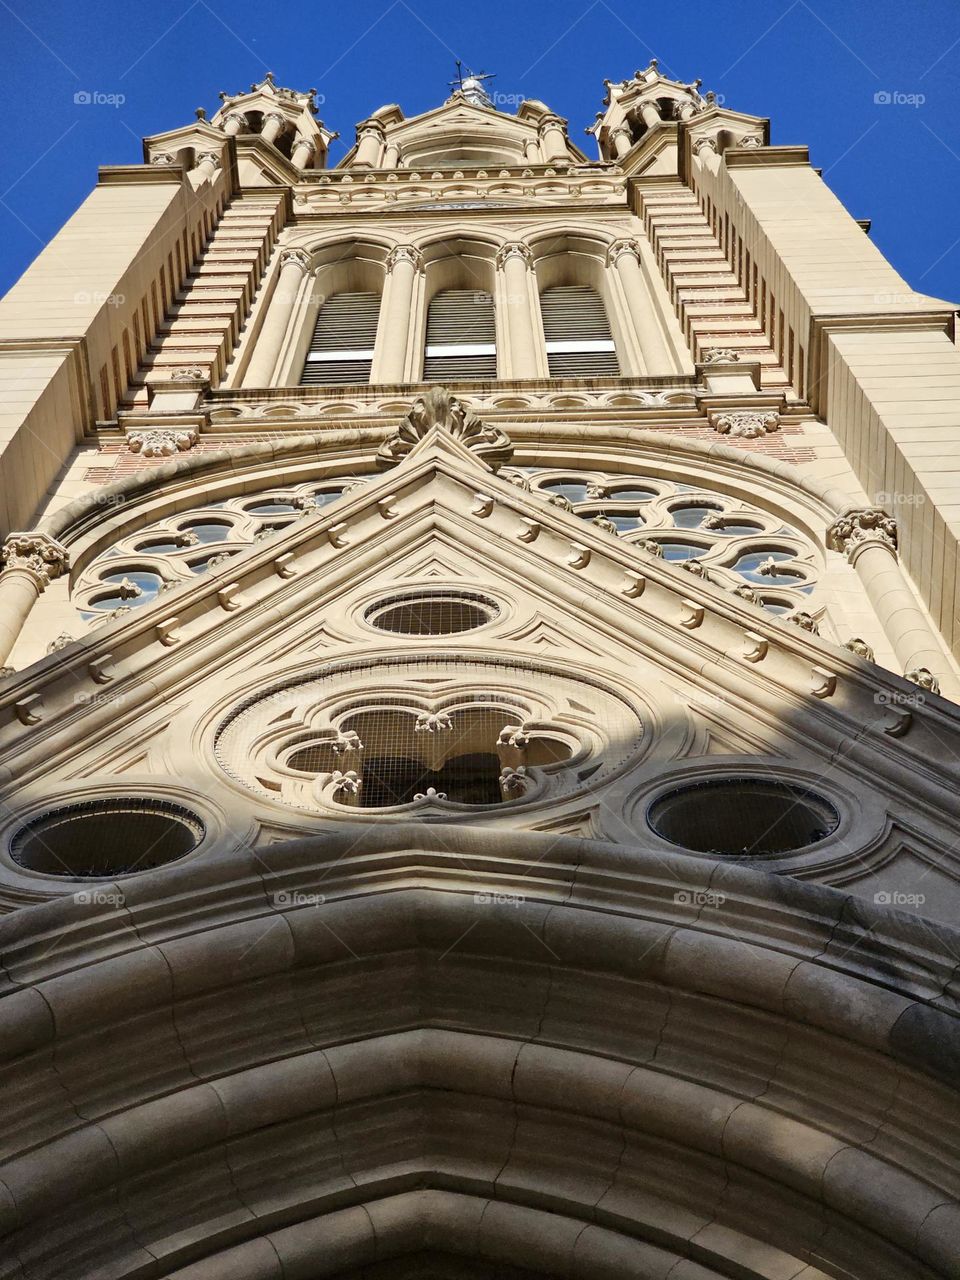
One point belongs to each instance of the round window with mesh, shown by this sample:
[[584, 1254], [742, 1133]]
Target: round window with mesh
[[96, 839], [431, 612], [743, 817]]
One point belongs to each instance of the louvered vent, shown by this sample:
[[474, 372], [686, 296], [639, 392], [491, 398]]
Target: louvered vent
[[577, 333], [461, 336], [341, 349]]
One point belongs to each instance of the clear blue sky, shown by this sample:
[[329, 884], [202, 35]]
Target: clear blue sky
[[813, 67]]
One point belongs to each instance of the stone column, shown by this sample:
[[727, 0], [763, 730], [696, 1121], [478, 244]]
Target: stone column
[[622, 141], [531, 152], [553, 140], [233, 124], [391, 157], [625, 256], [370, 139], [404, 264], [294, 264], [273, 126], [30, 563], [208, 163], [868, 539], [514, 261], [705, 149], [303, 153], [650, 114]]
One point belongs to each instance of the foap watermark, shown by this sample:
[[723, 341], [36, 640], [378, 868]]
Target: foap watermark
[[499, 899], [897, 898], [893, 698], [507, 99], [294, 898], [84, 297], [99, 898], [97, 98], [699, 898], [885, 499], [897, 98]]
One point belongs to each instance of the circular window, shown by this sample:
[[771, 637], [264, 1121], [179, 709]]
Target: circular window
[[95, 839], [743, 817], [431, 613]]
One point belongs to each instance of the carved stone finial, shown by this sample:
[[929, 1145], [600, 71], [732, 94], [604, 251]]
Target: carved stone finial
[[36, 554], [747, 423], [746, 592], [404, 253], [438, 408], [856, 529], [162, 444], [860, 648], [696, 567], [805, 621], [605, 524], [7, 672], [924, 678], [61, 642], [513, 782], [651, 546], [346, 783], [515, 248]]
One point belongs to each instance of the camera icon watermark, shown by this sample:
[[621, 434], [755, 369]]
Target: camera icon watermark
[[885, 499], [294, 898], [84, 297], [699, 898], [896, 98], [897, 898], [97, 98], [499, 899], [893, 698], [99, 898]]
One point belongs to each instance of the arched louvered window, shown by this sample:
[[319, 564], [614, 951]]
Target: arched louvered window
[[577, 332], [341, 349], [461, 336]]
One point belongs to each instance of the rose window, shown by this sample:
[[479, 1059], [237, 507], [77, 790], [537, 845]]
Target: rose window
[[735, 543], [162, 555]]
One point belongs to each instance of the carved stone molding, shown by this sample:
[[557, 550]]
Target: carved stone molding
[[620, 247], [405, 253], [299, 258], [438, 408], [746, 423], [36, 554], [515, 249], [856, 529], [190, 373], [162, 444]]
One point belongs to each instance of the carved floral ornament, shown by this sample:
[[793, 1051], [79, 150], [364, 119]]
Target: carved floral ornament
[[37, 554], [746, 423], [438, 408], [161, 444], [856, 529]]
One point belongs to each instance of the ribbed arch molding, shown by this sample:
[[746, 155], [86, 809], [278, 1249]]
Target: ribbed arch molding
[[238, 1052]]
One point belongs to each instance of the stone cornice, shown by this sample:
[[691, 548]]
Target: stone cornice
[[127, 175], [755, 157]]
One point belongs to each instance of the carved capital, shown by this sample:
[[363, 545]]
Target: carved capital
[[236, 118], [857, 529], [752, 142], [438, 408], [210, 157], [405, 253], [516, 249], [748, 423], [277, 117], [163, 157], [704, 144], [619, 248], [162, 444], [37, 554], [297, 257]]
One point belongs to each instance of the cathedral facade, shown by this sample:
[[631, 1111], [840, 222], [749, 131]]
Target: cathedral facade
[[479, 742]]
